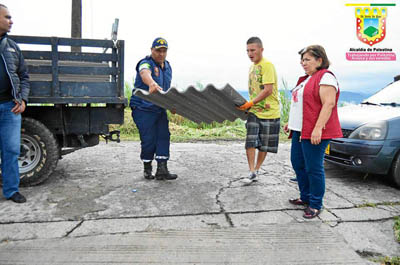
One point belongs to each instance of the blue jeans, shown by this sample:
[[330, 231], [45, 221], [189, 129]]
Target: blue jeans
[[308, 163], [10, 138], [154, 134]]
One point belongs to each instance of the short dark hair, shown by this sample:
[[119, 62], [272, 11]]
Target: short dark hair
[[316, 51], [256, 40]]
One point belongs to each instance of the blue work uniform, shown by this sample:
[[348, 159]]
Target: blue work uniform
[[150, 119]]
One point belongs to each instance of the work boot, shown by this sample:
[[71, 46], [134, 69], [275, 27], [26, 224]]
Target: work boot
[[163, 173], [147, 170], [17, 197]]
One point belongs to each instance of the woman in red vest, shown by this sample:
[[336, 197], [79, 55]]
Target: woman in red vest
[[313, 121]]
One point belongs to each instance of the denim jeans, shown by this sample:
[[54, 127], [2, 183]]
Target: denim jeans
[[154, 134], [10, 138], [308, 163]]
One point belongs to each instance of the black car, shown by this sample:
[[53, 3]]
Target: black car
[[371, 135]]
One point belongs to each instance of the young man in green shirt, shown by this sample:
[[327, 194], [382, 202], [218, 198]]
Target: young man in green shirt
[[263, 123]]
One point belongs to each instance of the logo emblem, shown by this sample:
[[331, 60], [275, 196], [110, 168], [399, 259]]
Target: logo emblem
[[371, 24], [371, 28], [156, 71], [162, 41]]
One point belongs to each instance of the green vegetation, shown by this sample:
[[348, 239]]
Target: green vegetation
[[368, 204], [183, 130], [390, 203], [371, 204], [396, 228], [387, 260], [285, 104]]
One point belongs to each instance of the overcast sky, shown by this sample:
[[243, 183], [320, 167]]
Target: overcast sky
[[207, 38]]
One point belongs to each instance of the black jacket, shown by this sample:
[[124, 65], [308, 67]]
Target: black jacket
[[16, 69]]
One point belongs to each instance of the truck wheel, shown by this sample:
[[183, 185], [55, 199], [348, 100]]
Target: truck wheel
[[395, 171], [39, 152]]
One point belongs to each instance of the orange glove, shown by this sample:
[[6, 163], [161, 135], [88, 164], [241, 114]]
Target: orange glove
[[247, 105]]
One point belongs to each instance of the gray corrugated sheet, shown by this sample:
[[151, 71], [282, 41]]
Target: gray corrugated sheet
[[205, 105]]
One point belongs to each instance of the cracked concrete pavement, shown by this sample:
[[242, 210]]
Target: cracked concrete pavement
[[99, 192]]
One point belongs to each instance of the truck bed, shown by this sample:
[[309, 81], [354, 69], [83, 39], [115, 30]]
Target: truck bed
[[59, 77]]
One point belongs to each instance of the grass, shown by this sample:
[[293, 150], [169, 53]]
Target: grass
[[390, 203], [368, 204], [387, 260], [371, 204], [396, 228], [184, 130]]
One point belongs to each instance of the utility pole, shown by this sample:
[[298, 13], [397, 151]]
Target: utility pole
[[76, 23]]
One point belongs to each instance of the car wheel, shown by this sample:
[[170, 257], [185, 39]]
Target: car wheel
[[395, 171]]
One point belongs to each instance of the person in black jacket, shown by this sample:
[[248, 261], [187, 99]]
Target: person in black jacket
[[14, 91]]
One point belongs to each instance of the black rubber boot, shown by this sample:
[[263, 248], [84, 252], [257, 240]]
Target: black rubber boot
[[147, 170], [163, 173]]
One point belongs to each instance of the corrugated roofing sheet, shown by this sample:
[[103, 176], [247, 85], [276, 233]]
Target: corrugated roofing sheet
[[204, 105]]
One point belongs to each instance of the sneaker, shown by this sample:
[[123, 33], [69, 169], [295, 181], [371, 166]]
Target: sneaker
[[253, 176], [250, 179]]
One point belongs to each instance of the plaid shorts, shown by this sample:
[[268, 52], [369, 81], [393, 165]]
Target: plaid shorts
[[262, 134]]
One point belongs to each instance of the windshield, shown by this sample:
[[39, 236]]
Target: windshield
[[389, 95]]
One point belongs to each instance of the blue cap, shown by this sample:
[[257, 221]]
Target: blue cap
[[159, 43]]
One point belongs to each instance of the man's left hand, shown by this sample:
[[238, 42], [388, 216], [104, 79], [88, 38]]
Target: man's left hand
[[18, 108], [247, 105]]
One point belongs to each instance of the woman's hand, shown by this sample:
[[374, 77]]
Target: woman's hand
[[316, 136], [286, 128]]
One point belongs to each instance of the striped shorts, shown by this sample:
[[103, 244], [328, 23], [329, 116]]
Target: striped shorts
[[262, 134]]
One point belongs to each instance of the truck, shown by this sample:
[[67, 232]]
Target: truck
[[74, 97]]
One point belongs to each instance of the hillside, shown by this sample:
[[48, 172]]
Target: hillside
[[345, 96]]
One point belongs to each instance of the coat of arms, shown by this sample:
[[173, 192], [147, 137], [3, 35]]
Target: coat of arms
[[371, 24]]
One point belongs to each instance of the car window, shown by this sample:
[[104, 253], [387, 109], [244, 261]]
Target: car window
[[388, 95]]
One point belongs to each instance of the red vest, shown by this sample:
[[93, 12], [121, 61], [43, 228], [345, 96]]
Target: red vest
[[312, 106]]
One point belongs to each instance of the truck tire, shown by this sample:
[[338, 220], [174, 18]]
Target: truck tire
[[395, 171], [39, 153]]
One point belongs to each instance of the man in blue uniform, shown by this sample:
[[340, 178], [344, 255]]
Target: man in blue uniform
[[153, 73], [14, 91]]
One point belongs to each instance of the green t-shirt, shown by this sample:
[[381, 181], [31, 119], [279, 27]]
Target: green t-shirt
[[262, 74]]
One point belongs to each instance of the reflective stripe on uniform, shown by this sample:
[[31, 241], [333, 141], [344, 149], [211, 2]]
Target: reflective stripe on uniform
[[144, 66], [162, 157]]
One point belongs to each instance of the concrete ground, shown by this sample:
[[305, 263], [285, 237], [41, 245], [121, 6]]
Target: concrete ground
[[97, 208]]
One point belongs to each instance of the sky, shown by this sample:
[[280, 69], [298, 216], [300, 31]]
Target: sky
[[207, 38]]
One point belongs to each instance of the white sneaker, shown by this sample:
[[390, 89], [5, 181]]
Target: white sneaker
[[253, 176], [250, 179]]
